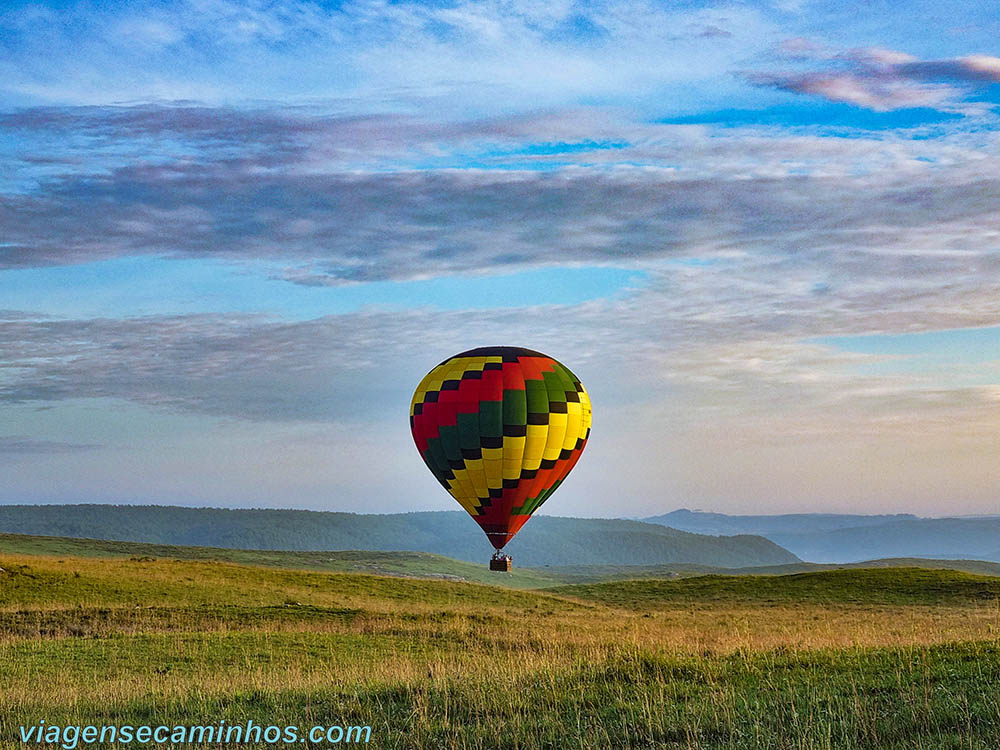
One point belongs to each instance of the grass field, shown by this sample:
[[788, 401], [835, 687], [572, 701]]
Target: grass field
[[853, 658], [410, 564], [428, 565]]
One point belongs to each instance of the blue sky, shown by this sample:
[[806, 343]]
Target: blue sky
[[235, 235], [150, 285], [958, 357]]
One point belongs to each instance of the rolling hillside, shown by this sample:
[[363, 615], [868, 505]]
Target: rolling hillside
[[596, 573], [428, 565], [871, 586], [394, 563], [546, 540]]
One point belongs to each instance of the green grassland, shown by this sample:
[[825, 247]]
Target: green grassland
[[429, 565], [872, 657], [595, 573], [392, 563], [858, 586]]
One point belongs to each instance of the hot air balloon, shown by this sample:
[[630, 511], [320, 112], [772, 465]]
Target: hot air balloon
[[500, 428]]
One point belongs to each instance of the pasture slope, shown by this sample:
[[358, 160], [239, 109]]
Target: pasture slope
[[429, 565], [849, 658]]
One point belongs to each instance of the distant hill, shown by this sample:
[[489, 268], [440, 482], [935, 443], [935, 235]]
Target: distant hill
[[700, 522], [833, 538], [969, 538], [545, 540]]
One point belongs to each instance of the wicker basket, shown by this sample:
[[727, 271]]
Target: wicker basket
[[501, 563]]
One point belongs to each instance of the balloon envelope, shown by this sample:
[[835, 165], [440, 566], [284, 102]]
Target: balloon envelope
[[500, 428]]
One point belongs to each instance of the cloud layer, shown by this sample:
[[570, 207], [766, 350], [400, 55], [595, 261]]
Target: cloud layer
[[542, 192], [883, 79], [750, 238]]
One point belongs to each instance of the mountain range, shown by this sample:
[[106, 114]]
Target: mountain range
[[545, 540], [682, 536], [835, 538]]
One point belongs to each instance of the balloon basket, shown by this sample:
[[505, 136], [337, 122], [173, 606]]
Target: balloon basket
[[501, 563]]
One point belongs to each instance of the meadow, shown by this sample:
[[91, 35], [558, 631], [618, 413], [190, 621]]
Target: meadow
[[852, 658]]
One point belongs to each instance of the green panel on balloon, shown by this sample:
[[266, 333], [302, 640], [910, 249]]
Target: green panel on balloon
[[515, 407]]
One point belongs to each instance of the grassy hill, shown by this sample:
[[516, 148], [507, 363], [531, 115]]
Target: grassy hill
[[545, 540], [65, 582], [392, 563], [852, 659], [427, 565], [594, 573], [856, 586]]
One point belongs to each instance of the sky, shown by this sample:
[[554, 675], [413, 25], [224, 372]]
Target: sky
[[235, 235]]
